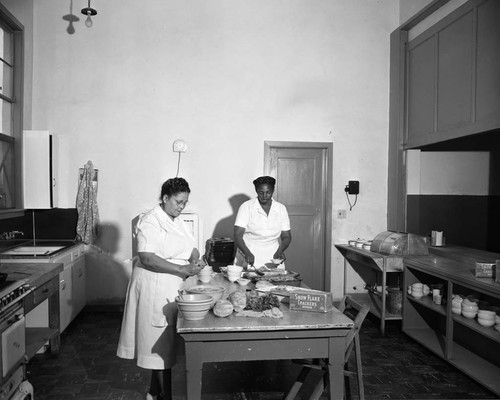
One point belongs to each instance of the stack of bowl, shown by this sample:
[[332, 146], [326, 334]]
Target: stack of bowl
[[486, 317], [234, 272], [214, 291], [193, 307], [469, 307], [456, 304]]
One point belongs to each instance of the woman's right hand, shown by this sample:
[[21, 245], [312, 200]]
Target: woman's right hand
[[250, 259], [190, 269]]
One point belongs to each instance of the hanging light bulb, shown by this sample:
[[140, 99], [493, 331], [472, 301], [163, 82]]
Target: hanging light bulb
[[88, 11]]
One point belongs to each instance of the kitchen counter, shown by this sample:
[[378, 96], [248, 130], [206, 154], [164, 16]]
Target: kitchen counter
[[36, 274]]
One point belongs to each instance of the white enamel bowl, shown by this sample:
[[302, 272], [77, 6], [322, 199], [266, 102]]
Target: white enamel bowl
[[469, 314], [485, 322], [214, 291], [486, 314]]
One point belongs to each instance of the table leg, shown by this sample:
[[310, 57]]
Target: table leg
[[336, 354], [384, 301], [194, 367]]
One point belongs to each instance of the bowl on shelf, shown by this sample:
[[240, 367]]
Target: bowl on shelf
[[243, 281], [486, 314], [469, 314], [485, 322], [469, 308], [456, 310]]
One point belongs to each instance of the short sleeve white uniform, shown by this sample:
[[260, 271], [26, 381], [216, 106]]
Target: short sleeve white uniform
[[149, 319], [262, 231]]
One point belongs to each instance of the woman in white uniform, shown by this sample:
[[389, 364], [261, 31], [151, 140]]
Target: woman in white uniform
[[167, 256], [262, 227]]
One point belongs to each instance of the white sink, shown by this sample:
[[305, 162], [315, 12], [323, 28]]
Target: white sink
[[33, 250]]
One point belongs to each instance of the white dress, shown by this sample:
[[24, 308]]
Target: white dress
[[149, 319], [262, 231]]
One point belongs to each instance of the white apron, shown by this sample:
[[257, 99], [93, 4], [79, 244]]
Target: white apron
[[149, 319]]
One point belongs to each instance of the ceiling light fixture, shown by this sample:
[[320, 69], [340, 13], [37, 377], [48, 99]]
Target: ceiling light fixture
[[89, 11]]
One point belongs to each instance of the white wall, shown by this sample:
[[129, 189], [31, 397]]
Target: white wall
[[448, 173], [224, 76]]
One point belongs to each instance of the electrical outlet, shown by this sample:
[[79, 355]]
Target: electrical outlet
[[341, 214], [179, 146]]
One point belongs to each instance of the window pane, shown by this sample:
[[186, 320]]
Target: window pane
[[6, 41], [6, 174], [6, 117], [6, 80]]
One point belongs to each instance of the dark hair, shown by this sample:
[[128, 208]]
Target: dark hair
[[264, 180], [173, 186]]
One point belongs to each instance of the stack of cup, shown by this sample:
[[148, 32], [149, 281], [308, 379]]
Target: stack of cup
[[234, 272], [205, 275], [417, 290]]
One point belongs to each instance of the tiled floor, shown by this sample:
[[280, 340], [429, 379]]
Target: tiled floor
[[395, 367]]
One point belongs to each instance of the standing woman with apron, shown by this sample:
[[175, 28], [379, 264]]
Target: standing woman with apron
[[167, 256], [262, 227]]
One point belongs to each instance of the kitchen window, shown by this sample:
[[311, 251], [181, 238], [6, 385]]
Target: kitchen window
[[11, 84]]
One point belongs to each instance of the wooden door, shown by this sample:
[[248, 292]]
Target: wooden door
[[303, 184]]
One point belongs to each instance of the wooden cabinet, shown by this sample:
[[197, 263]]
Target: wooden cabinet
[[461, 341], [39, 170], [78, 281], [453, 76]]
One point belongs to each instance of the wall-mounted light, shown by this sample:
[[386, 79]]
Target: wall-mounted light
[[88, 11]]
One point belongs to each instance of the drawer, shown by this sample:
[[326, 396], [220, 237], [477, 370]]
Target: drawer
[[41, 293]]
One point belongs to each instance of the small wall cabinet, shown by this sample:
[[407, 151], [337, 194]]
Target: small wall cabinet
[[472, 348]]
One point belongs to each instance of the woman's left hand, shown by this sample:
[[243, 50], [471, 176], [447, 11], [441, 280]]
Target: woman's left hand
[[279, 255]]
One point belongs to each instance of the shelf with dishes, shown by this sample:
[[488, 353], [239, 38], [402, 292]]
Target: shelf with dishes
[[452, 329]]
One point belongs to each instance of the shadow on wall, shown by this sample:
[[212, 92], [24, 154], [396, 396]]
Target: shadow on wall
[[225, 227], [107, 277]]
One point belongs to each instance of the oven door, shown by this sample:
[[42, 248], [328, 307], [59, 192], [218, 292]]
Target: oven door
[[13, 334]]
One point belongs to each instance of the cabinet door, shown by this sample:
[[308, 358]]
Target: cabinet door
[[421, 88], [39, 169], [79, 278], [65, 296], [455, 75], [488, 61]]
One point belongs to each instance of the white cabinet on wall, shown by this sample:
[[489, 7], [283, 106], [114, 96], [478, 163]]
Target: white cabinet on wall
[[40, 170]]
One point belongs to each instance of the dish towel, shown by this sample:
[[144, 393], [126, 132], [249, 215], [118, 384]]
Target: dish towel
[[86, 205]]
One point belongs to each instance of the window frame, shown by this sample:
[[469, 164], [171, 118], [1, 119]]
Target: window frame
[[10, 23]]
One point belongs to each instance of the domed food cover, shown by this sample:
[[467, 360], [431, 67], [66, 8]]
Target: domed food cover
[[397, 243]]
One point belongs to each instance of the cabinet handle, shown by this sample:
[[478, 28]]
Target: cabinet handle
[[53, 182], [80, 273], [63, 284]]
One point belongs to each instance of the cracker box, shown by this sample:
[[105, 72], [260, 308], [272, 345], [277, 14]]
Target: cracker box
[[485, 270], [311, 300]]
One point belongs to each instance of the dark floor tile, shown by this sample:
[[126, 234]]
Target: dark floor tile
[[395, 367]]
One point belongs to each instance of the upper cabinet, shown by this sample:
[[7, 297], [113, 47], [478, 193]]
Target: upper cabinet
[[39, 169], [453, 76]]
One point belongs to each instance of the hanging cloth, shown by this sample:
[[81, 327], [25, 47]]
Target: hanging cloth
[[86, 205]]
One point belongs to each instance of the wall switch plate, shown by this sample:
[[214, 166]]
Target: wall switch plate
[[180, 146], [341, 214]]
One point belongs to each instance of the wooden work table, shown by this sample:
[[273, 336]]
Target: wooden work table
[[44, 278], [298, 335]]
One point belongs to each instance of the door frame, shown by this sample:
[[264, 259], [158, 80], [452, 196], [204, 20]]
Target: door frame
[[327, 184]]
